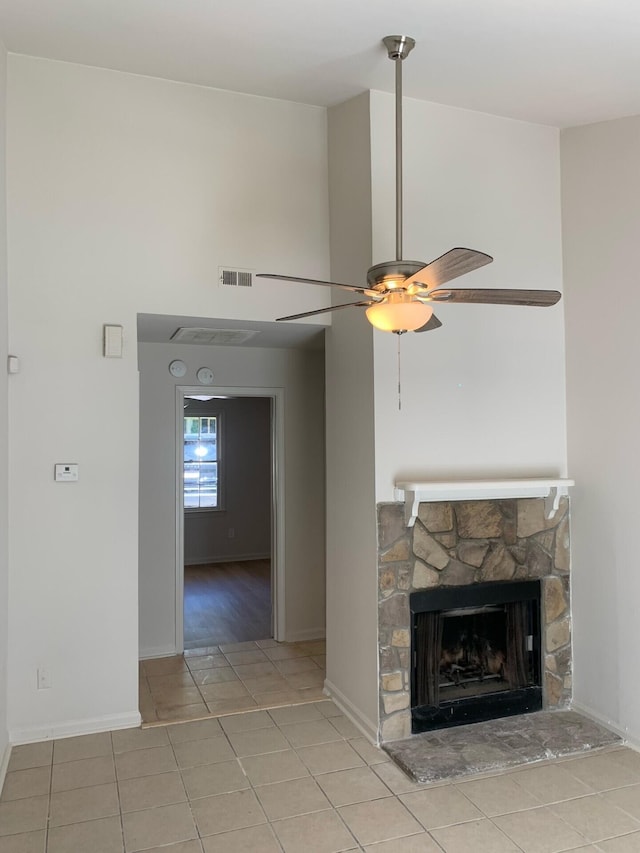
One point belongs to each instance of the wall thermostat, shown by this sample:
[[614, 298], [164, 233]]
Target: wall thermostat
[[205, 376], [66, 472], [177, 368]]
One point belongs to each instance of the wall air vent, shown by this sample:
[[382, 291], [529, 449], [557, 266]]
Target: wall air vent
[[212, 337], [235, 277]]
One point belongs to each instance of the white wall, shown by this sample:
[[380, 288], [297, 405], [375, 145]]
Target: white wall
[[125, 194], [245, 484], [4, 505], [483, 396], [301, 375], [352, 645], [601, 223]]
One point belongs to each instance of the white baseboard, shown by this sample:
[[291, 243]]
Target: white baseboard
[[368, 728], [4, 764], [629, 738], [305, 635], [157, 652], [70, 728], [230, 558]]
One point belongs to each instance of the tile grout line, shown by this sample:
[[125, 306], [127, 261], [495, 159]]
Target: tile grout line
[[120, 812], [179, 769], [502, 832], [46, 830]]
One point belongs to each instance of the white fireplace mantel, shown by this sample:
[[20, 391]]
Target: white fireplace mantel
[[414, 494]]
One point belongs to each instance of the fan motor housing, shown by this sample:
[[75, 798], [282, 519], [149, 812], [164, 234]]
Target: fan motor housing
[[382, 275]]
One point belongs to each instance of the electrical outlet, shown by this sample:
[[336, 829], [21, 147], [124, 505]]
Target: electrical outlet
[[45, 680], [231, 533]]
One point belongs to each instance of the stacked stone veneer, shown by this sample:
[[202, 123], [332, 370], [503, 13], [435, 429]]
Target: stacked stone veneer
[[466, 542]]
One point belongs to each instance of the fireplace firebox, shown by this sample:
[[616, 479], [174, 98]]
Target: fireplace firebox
[[476, 653]]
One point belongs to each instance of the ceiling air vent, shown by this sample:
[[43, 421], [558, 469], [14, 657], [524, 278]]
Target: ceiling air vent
[[212, 337], [230, 277]]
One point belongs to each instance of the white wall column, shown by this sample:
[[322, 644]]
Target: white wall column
[[4, 440], [352, 648], [601, 222]]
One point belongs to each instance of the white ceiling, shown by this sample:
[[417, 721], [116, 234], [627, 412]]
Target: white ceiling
[[559, 62]]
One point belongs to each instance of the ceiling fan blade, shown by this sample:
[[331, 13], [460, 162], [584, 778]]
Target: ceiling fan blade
[[452, 264], [431, 324], [350, 287], [324, 310], [497, 296]]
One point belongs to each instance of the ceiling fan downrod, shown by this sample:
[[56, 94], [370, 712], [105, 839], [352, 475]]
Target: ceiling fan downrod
[[398, 48]]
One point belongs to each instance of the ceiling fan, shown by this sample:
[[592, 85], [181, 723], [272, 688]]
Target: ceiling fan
[[400, 294]]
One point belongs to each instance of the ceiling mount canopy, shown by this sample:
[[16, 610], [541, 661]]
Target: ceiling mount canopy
[[400, 294], [398, 47]]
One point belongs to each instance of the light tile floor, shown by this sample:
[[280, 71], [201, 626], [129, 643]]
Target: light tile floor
[[300, 779], [225, 679]]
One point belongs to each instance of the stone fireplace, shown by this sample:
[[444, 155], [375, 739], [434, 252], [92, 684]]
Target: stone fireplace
[[457, 549]]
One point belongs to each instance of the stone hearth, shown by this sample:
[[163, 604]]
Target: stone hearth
[[457, 543], [498, 745]]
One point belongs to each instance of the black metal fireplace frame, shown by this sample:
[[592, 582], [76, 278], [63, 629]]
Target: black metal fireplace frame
[[505, 703]]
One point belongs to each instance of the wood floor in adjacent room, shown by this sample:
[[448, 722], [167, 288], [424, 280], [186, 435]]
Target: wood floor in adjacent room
[[227, 603]]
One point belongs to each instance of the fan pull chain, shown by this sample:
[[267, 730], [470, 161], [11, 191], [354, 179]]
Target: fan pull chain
[[399, 375]]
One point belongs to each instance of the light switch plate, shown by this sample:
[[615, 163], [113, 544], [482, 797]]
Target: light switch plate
[[112, 341]]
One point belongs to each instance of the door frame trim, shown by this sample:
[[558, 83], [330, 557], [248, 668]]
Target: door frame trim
[[278, 574]]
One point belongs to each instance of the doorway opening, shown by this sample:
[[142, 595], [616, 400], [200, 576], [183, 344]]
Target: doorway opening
[[229, 560]]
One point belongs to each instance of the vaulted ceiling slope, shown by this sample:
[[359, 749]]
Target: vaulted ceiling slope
[[557, 62]]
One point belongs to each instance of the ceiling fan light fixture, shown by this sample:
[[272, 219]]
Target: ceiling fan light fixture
[[399, 312]]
